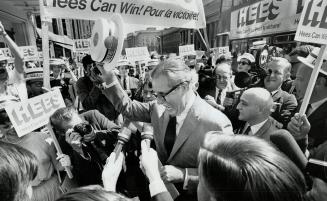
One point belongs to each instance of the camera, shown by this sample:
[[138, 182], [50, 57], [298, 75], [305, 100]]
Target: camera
[[83, 129], [252, 79]]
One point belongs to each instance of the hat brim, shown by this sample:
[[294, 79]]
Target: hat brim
[[305, 62]]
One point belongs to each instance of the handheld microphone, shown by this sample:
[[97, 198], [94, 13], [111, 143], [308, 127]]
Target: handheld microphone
[[147, 134], [123, 137]]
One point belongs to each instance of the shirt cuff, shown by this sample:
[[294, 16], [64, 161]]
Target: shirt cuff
[[157, 187], [186, 179], [107, 86]]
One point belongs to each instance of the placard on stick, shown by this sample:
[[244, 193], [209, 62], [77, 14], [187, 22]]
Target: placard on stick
[[35, 112], [313, 29]]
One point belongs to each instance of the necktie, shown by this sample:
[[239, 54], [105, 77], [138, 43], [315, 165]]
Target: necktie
[[219, 97], [125, 83], [170, 135], [247, 130], [309, 110]]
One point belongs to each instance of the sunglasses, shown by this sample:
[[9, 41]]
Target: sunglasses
[[243, 63]]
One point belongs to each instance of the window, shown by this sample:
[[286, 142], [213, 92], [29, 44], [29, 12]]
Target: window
[[64, 27], [55, 26]]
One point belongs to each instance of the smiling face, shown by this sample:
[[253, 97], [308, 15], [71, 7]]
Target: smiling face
[[276, 76], [223, 74], [176, 100]]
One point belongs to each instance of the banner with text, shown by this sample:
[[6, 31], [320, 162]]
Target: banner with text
[[82, 46], [35, 112], [170, 13], [266, 17], [137, 54], [313, 23], [186, 50]]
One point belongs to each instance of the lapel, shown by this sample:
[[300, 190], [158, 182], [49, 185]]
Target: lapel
[[163, 122], [188, 128], [320, 112], [263, 129], [277, 95]]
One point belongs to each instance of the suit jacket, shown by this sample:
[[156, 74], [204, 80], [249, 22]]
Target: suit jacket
[[265, 131], [133, 85], [200, 119], [164, 196], [318, 132], [286, 108]]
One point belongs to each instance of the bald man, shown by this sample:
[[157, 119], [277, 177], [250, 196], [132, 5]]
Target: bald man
[[255, 108], [224, 83]]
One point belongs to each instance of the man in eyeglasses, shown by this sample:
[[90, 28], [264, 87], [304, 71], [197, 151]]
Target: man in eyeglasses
[[180, 119], [224, 83]]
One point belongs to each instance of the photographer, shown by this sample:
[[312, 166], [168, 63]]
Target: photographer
[[90, 94], [88, 138]]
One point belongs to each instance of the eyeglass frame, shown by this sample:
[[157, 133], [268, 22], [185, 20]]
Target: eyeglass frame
[[163, 97]]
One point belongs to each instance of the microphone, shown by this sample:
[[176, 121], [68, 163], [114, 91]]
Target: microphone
[[147, 134], [286, 143], [242, 79], [123, 137]]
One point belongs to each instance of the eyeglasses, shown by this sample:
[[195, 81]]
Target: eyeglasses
[[243, 63], [163, 96], [219, 77]]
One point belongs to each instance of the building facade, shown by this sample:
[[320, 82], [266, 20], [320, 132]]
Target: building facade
[[145, 38]]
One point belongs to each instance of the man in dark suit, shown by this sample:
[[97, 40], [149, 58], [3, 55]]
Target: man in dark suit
[[179, 117], [129, 84], [255, 108], [224, 84], [317, 109], [285, 103]]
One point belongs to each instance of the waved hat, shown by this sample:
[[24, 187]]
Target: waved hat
[[311, 59], [3, 56], [247, 56], [124, 62], [153, 62]]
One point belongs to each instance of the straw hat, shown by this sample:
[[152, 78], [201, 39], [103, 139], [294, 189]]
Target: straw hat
[[34, 74], [311, 59]]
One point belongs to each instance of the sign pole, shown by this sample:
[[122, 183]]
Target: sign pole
[[45, 46], [200, 34], [313, 79], [56, 143]]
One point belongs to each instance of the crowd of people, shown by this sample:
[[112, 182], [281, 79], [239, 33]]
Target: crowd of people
[[200, 130]]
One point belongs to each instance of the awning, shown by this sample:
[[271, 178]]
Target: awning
[[63, 41]]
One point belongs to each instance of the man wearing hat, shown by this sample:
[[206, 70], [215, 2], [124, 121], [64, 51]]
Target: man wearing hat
[[129, 84], [34, 81], [11, 81], [90, 94], [302, 51], [317, 108]]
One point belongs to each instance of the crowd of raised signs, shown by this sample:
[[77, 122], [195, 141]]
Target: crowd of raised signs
[[215, 128]]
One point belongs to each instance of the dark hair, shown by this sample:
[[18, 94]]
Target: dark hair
[[246, 168], [18, 168], [62, 115], [86, 61], [92, 193]]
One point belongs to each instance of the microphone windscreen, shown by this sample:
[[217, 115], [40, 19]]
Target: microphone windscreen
[[147, 132], [242, 80], [286, 143]]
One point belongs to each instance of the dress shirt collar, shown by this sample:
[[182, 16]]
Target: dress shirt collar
[[256, 127]]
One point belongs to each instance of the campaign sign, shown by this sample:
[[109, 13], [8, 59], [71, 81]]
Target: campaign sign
[[82, 45], [137, 53], [30, 53], [35, 112], [313, 23], [187, 50], [6, 52]]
